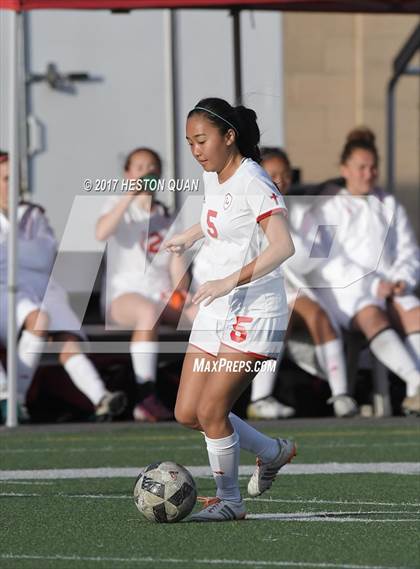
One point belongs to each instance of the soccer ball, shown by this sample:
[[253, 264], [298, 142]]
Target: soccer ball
[[165, 492]]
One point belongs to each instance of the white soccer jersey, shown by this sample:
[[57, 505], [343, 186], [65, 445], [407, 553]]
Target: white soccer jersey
[[360, 241], [371, 240], [229, 220], [135, 261], [37, 248]]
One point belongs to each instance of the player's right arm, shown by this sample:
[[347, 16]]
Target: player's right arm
[[178, 244], [108, 222]]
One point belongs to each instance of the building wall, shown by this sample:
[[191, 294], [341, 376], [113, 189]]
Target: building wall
[[336, 72]]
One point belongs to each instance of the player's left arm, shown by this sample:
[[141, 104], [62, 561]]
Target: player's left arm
[[280, 247]]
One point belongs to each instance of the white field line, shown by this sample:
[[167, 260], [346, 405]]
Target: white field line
[[121, 448], [336, 502], [321, 517], [228, 562], [253, 500], [204, 471]]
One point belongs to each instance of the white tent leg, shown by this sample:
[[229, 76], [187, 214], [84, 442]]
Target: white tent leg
[[169, 27], [12, 207]]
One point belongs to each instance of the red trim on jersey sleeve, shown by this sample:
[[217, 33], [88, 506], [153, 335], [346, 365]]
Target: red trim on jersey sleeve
[[281, 210], [259, 356]]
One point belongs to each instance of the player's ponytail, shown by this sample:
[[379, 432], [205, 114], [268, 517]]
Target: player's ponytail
[[249, 133], [360, 138], [241, 120]]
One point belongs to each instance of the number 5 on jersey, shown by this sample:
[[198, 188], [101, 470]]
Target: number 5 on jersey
[[211, 228]]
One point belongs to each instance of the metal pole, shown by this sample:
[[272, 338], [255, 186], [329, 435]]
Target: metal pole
[[399, 68], [12, 212], [390, 142], [237, 60], [22, 104], [171, 94]]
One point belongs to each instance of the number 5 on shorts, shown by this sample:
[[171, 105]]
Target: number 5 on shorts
[[239, 333]]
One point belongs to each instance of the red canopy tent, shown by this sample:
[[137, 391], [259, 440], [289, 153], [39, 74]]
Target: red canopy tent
[[18, 6], [365, 6]]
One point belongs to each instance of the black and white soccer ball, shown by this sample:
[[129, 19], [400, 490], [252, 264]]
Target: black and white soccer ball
[[165, 492]]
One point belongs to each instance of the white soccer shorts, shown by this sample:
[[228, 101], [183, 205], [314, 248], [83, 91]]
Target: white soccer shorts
[[249, 326]]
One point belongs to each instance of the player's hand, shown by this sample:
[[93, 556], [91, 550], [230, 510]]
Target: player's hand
[[188, 300], [211, 290], [178, 244], [385, 289], [399, 288]]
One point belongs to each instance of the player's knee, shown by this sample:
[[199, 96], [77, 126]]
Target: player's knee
[[377, 316], [186, 418], [372, 320], [37, 322], [146, 317]]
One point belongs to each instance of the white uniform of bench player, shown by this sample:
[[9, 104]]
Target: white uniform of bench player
[[371, 241], [37, 249], [134, 262]]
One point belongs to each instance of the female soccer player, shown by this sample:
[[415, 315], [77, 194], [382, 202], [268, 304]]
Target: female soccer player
[[141, 275], [378, 255], [243, 309]]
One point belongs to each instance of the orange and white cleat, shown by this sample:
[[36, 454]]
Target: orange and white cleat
[[218, 510], [265, 472]]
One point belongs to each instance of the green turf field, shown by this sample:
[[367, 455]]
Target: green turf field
[[353, 520]]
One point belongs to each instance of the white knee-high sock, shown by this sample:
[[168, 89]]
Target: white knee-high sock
[[224, 462], [253, 441], [30, 349], [331, 359], [85, 377], [412, 343], [144, 356], [389, 349], [263, 384]]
